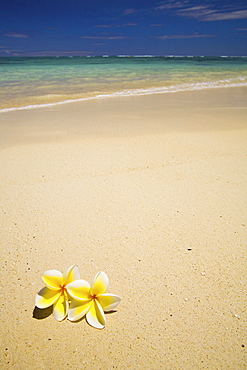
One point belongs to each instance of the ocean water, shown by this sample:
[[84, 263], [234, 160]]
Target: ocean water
[[31, 82]]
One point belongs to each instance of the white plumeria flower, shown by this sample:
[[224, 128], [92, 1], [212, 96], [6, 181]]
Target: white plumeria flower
[[55, 291], [91, 301]]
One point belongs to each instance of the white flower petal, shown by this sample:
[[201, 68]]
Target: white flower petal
[[78, 309], [100, 284], [108, 301], [79, 289], [71, 274], [46, 297], [52, 279], [95, 316], [60, 308]]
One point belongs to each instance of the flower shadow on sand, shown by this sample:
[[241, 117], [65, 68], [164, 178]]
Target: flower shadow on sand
[[42, 313]]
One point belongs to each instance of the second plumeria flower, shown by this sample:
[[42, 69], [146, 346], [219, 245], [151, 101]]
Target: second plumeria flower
[[55, 291], [91, 301]]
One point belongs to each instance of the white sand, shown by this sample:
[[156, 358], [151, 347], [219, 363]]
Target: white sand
[[151, 190]]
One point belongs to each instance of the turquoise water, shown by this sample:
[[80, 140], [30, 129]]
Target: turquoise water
[[28, 82]]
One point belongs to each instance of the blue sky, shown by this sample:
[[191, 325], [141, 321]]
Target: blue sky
[[126, 27]]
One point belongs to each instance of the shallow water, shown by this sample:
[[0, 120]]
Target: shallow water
[[28, 82]]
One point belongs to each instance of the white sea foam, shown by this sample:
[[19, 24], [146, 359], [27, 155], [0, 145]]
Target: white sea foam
[[137, 92]]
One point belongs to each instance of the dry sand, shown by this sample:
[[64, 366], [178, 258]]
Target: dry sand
[[151, 190]]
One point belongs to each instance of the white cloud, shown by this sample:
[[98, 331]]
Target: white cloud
[[45, 53], [103, 26], [194, 36], [238, 14], [104, 37], [204, 11], [171, 5], [129, 11], [14, 34], [130, 24]]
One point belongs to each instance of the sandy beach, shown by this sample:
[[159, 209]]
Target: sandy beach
[[152, 191]]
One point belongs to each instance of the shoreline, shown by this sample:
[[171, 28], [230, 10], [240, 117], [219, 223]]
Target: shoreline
[[129, 116], [132, 93], [149, 189]]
